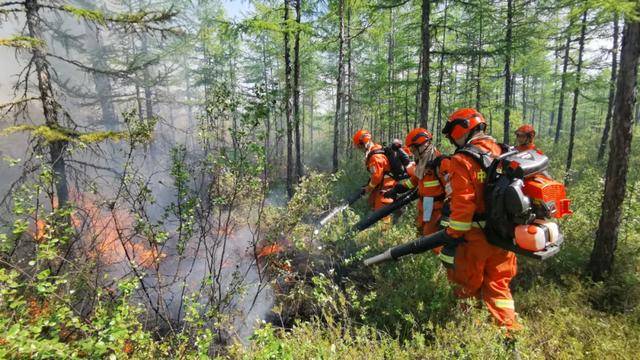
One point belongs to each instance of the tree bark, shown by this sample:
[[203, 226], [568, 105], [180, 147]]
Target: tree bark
[[441, 74], [524, 98], [339, 90], [426, 82], [296, 93], [50, 107], [576, 95], [478, 60], [287, 100], [612, 88], [507, 73], [552, 114], [563, 84], [602, 256]]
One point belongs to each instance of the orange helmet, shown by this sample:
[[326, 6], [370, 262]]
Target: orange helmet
[[361, 137], [526, 129], [417, 136], [462, 122]]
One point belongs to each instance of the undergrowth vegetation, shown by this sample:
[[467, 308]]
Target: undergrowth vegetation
[[332, 307]]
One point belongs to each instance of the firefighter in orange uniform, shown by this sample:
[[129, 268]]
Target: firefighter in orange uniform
[[479, 269], [525, 136], [430, 165], [379, 167]]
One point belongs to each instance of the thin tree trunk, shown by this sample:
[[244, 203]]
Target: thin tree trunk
[[478, 61], [552, 115], [507, 73], [576, 95], [296, 93], [612, 84], [390, 74], [426, 83], [350, 79], [339, 90], [50, 107], [524, 98], [602, 256], [563, 83], [441, 74], [287, 100]]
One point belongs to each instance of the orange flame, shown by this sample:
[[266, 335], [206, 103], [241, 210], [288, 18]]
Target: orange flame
[[269, 250], [109, 238]]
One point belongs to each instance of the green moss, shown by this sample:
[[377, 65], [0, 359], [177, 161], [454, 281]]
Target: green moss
[[54, 134], [19, 41]]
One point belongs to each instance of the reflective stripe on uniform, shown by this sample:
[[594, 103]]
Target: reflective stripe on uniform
[[444, 223], [446, 258], [407, 183], [431, 183], [504, 303], [459, 225]]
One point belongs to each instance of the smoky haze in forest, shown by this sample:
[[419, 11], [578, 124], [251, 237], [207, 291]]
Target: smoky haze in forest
[[177, 157]]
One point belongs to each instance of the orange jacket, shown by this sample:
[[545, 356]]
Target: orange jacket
[[379, 168], [467, 178], [431, 185]]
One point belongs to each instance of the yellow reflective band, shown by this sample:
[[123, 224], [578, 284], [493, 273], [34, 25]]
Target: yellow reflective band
[[446, 258], [504, 303], [431, 183], [444, 223], [459, 225], [407, 183]]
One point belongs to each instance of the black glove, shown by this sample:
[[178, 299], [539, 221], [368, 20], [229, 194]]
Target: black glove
[[448, 252]]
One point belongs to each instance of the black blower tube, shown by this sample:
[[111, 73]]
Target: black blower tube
[[417, 246], [387, 210]]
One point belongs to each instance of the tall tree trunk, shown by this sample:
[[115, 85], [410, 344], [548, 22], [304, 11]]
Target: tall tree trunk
[[311, 122], [507, 73], [339, 96], [296, 93], [426, 82], [441, 74], [268, 117], [615, 185], [390, 76], [478, 60], [287, 100], [612, 84], [350, 79], [576, 95], [524, 98], [563, 84], [552, 115], [50, 107]]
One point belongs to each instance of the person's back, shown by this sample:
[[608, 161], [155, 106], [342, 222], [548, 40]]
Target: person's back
[[479, 268]]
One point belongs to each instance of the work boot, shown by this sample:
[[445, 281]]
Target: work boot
[[510, 344]]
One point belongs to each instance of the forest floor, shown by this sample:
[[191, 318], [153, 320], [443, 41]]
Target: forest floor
[[406, 310]]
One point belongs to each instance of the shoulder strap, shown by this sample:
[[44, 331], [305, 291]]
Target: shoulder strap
[[483, 158], [375, 152]]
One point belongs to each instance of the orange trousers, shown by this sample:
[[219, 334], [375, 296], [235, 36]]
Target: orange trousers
[[483, 270]]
